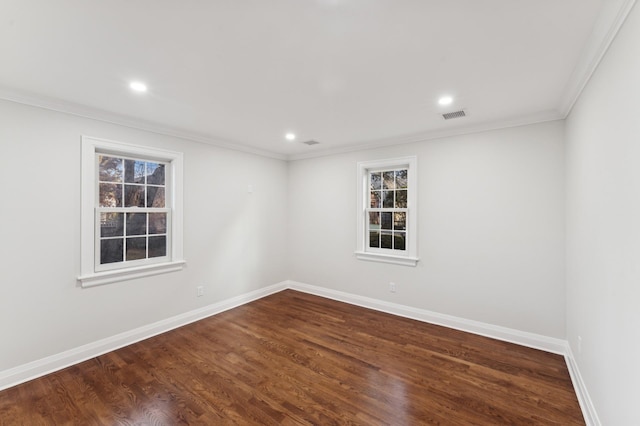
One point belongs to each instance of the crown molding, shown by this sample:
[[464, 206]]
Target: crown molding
[[605, 30], [610, 21], [121, 120], [437, 134], [107, 117]]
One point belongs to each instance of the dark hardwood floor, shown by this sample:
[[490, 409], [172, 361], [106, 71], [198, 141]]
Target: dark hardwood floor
[[292, 359]]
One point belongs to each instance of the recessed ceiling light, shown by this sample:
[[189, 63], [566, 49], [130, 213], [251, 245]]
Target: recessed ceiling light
[[445, 100], [138, 86], [290, 136]]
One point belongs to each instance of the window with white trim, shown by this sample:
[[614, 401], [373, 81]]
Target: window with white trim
[[131, 211], [387, 212]]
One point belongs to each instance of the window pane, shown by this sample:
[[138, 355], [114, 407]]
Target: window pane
[[374, 220], [136, 248], [157, 223], [136, 223], [374, 239], [157, 246], [401, 199], [134, 171], [387, 200], [401, 178], [385, 240], [400, 221], [155, 196], [376, 180], [110, 195], [110, 168], [111, 224], [155, 174], [386, 220], [376, 199], [388, 181], [111, 251], [134, 196], [399, 242]]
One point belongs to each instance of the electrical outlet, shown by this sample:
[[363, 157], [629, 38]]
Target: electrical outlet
[[200, 291], [392, 287]]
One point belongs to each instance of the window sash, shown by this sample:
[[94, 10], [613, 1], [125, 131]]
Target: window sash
[[124, 263], [392, 231], [168, 178], [406, 231], [130, 263]]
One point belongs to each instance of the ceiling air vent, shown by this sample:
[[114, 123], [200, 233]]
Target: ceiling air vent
[[454, 114], [311, 142]]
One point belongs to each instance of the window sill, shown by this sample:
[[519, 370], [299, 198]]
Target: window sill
[[386, 258], [107, 277]]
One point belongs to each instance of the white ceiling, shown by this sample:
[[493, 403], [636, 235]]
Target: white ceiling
[[343, 72]]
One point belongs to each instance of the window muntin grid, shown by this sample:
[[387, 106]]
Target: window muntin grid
[[387, 213], [132, 214]]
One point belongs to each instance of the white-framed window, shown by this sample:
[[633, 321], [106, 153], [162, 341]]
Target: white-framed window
[[387, 211], [131, 221]]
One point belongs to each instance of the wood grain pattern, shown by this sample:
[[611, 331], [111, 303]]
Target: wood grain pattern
[[298, 359]]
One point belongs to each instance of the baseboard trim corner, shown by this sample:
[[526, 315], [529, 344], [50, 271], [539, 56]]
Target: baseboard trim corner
[[32, 370], [586, 404]]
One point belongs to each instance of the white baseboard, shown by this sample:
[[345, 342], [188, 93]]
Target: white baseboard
[[41, 367], [531, 340], [586, 404], [35, 369]]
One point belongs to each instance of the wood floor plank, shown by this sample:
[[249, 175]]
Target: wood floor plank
[[297, 359]]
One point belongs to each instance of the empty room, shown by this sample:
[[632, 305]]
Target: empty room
[[320, 212]]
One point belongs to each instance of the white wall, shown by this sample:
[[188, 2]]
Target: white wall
[[491, 231], [233, 240], [491, 228], [603, 230]]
